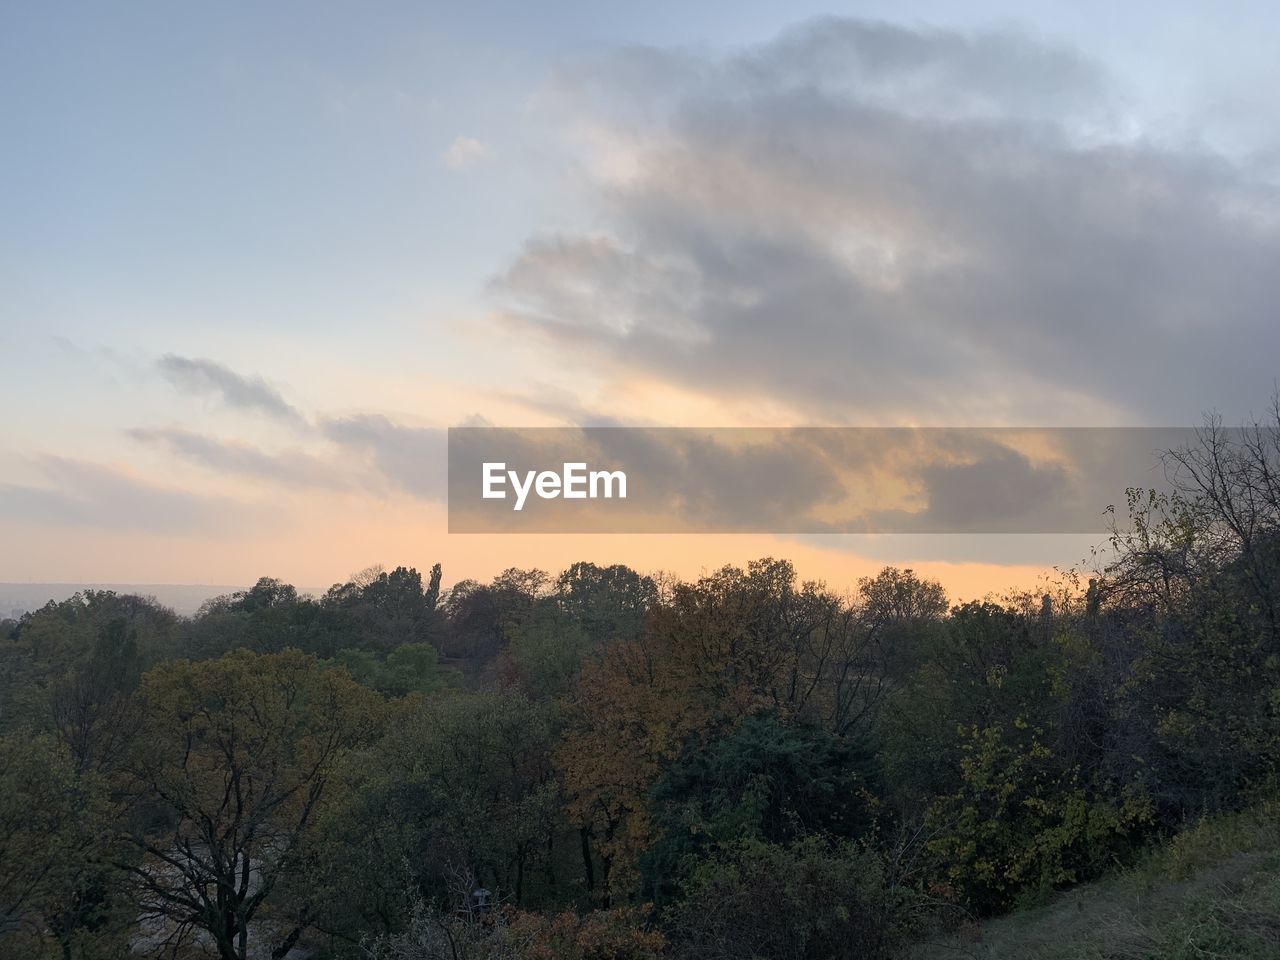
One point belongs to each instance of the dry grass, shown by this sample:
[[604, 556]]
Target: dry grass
[[1211, 893]]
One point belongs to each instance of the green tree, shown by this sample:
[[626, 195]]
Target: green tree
[[236, 760], [409, 668], [608, 603], [51, 644], [267, 618], [382, 611], [545, 652], [467, 783], [90, 704], [765, 781], [57, 883]]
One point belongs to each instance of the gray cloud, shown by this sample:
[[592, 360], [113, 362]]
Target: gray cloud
[[920, 71], [292, 468], [251, 393], [864, 220], [996, 488], [928, 70], [411, 459]]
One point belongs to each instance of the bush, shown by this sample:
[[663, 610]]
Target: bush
[[807, 901], [1019, 822]]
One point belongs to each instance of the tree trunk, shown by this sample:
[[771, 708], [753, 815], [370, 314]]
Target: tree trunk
[[282, 951], [588, 868]]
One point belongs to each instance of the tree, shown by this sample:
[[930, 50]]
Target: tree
[[545, 652], [482, 618], [765, 781], [236, 760], [470, 779], [56, 880], [431, 597], [1196, 573], [268, 617], [1020, 820], [49, 645], [734, 644], [608, 603], [382, 611], [905, 612], [409, 668], [590, 607], [91, 709]]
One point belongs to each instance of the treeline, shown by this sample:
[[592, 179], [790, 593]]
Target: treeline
[[604, 765]]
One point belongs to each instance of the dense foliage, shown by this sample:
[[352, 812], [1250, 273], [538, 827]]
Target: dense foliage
[[608, 766]]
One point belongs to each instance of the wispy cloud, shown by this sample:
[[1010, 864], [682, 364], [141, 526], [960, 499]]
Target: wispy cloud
[[291, 468], [253, 393], [79, 493], [466, 152]]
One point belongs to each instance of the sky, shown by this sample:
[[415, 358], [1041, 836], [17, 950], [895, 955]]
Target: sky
[[254, 258]]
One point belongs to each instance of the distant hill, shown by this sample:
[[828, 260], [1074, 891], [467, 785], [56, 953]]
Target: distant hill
[[185, 598]]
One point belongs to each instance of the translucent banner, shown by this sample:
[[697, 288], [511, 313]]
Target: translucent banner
[[799, 479]]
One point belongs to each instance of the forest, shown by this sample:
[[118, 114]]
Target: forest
[[604, 764]]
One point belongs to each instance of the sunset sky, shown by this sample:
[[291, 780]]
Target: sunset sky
[[255, 258]]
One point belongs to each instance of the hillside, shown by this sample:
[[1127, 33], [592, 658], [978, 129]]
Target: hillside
[[1211, 893]]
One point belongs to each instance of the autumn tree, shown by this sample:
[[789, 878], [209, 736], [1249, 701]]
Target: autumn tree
[[718, 651]]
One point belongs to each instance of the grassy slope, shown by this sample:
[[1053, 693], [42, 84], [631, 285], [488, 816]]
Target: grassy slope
[[1211, 893]]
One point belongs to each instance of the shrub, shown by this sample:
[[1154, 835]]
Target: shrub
[[1018, 822], [807, 901]]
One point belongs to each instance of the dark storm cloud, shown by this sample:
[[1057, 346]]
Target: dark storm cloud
[[860, 218], [236, 390]]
